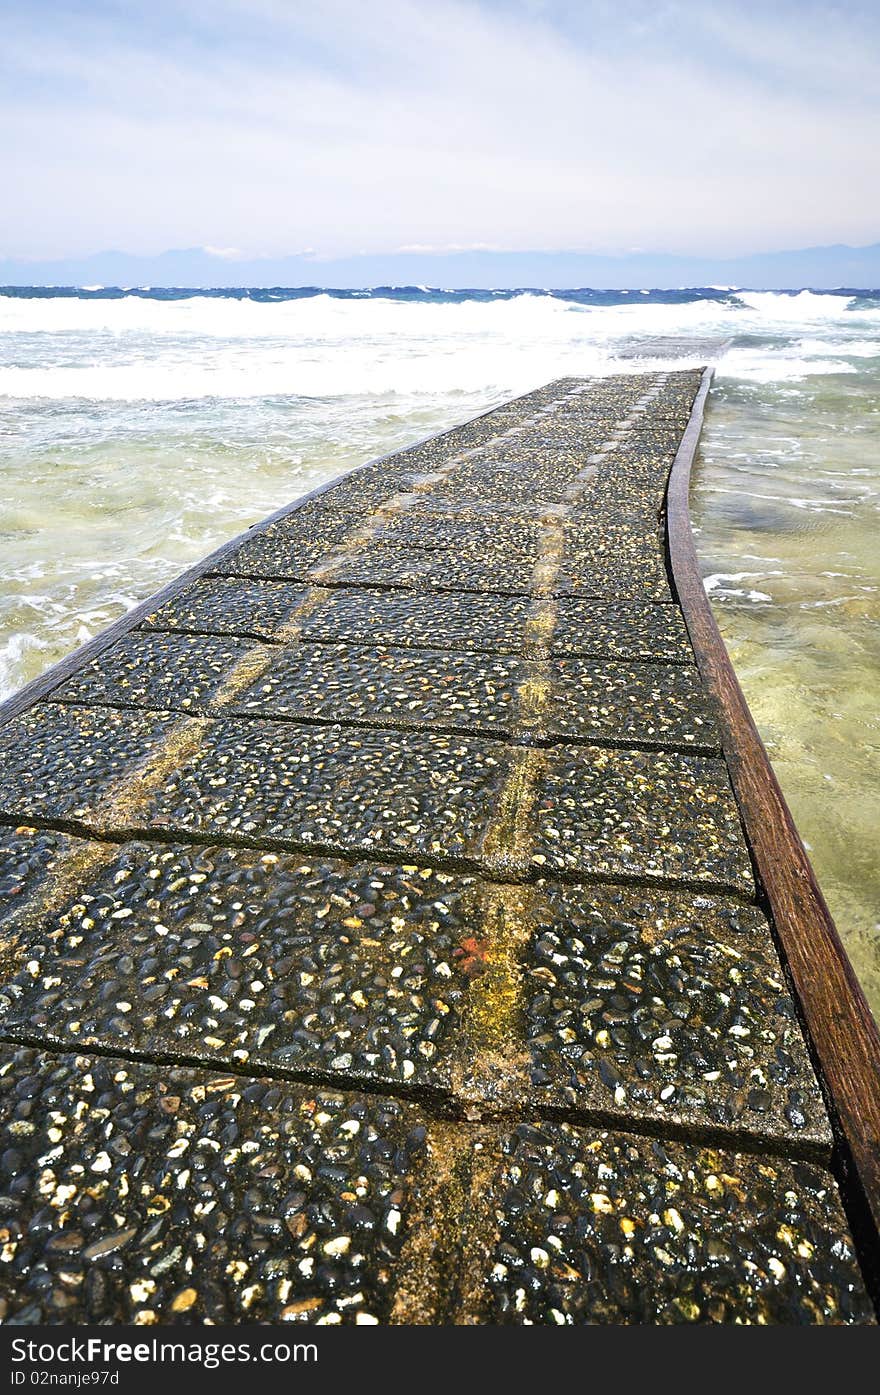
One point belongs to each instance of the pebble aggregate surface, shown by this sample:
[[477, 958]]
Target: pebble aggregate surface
[[138, 1194], [378, 936], [233, 606]]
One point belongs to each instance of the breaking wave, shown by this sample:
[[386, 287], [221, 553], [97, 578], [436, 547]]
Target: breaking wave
[[137, 347]]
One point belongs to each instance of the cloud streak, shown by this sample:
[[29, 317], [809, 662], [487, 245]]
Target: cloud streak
[[268, 127]]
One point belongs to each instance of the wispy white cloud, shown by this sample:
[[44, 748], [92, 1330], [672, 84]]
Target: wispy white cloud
[[269, 125]]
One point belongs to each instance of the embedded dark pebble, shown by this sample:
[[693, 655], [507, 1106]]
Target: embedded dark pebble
[[658, 704], [139, 1194], [602, 519], [386, 564], [645, 1006], [519, 470], [622, 630], [437, 533], [324, 510], [635, 465], [474, 434], [653, 704], [441, 503], [608, 398], [421, 461], [275, 556], [27, 856], [619, 493], [557, 451], [613, 1228], [505, 488], [368, 488], [639, 814], [653, 434], [230, 606], [160, 670], [596, 417], [646, 583], [631, 541], [327, 526], [508, 624], [133, 1193], [615, 561], [59, 761], [443, 621], [398, 687], [614, 490], [424, 794], [240, 956], [669, 1006], [414, 794]]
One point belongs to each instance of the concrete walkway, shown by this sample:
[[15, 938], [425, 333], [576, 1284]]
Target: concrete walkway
[[380, 940]]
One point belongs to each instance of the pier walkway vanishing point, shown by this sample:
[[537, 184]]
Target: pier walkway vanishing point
[[392, 931]]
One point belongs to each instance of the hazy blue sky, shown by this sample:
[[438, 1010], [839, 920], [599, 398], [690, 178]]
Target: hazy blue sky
[[259, 127]]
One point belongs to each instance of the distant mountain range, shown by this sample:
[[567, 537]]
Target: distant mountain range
[[819, 268]]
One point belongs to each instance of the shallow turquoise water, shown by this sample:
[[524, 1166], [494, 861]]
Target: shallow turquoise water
[[786, 499]]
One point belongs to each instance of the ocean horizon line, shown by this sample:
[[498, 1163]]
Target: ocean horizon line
[[387, 290]]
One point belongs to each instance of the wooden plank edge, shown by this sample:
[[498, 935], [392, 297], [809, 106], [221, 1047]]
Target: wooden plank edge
[[842, 1031]]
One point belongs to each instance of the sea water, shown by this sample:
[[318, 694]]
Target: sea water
[[141, 428]]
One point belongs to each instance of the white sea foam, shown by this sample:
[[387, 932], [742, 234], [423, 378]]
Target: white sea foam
[[847, 348], [298, 372], [14, 653], [777, 366], [719, 585], [136, 349], [805, 305]]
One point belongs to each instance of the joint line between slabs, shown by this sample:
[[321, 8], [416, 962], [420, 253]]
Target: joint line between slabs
[[371, 642], [528, 693], [522, 875], [440, 1103]]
